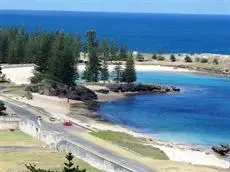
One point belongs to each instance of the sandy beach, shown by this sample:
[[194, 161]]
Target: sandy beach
[[145, 68], [19, 75], [22, 75], [60, 108]]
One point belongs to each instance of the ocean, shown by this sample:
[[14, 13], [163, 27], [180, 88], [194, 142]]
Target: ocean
[[153, 33]]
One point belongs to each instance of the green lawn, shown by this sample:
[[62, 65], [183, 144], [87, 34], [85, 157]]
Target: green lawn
[[17, 138], [15, 161], [131, 143]]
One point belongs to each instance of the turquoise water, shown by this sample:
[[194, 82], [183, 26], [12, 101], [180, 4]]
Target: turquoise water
[[199, 114]]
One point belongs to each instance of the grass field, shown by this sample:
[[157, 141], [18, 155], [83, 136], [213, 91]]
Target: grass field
[[131, 143], [105, 138], [15, 161], [17, 138]]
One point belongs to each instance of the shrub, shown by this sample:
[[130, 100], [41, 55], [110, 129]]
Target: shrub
[[188, 59], [197, 59], [28, 95], [154, 57], [37, 78], [204, 60], [172, 58], [215, 61], [2, 109], [140, 57]]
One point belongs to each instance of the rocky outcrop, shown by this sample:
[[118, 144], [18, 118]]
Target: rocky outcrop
[[103, 91], [78, 92], [141, 88], [222, 150]]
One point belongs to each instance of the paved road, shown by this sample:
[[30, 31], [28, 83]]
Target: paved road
[[132, 164]]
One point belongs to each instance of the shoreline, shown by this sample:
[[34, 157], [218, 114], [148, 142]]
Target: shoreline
[[60, 109], [192, 154], [21, 74]]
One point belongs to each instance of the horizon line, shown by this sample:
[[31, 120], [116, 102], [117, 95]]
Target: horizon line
[[83, 11]]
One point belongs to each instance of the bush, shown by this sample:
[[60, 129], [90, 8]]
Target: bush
[[2, 109], [215, 61], [172, 58], [140, 57], [197, 59], [36, 78], [204, 60], [188, 59], [154, 57], [28, 95]]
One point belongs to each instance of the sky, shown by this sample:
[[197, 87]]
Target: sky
[[143, 6]]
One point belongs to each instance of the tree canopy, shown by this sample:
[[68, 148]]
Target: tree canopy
[[129, 74], [56, 53]]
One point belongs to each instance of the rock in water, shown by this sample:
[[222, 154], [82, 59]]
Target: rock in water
[[141, 88], [222, 150]]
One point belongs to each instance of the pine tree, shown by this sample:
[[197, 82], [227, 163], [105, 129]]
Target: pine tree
[[77, 50], [118, 72], [69, 165], [172, 58], [93, 66], [104, 60], [55, 60], [69, 60], [129, 75], [188, 59], [12, 52], [44, 45], [113, 51], [123, 53], [20, 46]]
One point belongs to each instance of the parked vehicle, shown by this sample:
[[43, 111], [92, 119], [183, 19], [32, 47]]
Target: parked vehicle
[[52, 119], [68, 124], [13, 114]]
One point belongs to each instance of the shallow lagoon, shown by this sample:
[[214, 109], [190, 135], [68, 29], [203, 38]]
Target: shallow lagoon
[[199, 114]]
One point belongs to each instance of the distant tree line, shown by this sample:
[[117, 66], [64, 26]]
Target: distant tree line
[[56, 54]]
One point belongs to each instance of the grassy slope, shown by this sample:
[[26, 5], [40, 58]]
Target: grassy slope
[[47, 159], [131, 143], [17, 138], [160, 165]]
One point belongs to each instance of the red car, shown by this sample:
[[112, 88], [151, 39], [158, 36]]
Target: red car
[[68, 124]]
